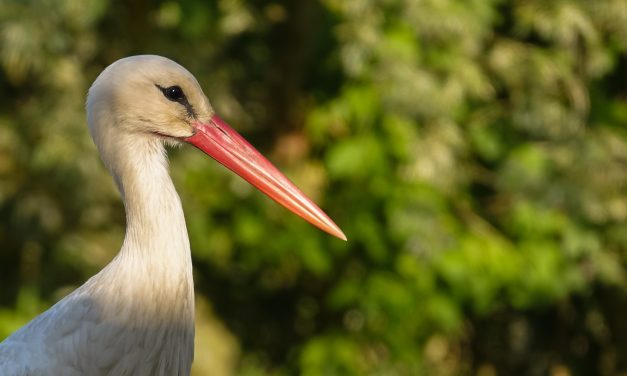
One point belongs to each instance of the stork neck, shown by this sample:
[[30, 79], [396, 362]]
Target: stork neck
[[148, 286], [156, 231]]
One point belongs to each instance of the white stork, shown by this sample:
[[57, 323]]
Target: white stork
[[136, 316]]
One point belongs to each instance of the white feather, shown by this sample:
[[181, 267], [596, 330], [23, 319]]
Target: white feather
[[136, 316]]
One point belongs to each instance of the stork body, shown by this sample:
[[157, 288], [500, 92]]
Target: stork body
[[136, 316]]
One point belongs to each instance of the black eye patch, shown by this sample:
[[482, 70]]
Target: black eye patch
[[175, 94]]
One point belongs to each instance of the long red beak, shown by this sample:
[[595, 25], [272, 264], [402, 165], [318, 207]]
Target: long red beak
[[222, 143]]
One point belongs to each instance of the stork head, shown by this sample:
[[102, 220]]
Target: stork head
[[147, 94], [151, 100]]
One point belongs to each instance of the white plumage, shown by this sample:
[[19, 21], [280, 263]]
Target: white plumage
[[136, 316]]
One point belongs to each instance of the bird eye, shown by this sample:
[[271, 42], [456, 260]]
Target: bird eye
[[174, 93]]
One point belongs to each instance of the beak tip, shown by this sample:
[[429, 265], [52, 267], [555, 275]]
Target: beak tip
[[342, 236], [335, 231]]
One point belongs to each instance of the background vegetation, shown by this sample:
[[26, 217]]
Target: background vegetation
[[474, 152]]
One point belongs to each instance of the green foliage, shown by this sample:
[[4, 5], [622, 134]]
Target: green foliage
[[474, 153]]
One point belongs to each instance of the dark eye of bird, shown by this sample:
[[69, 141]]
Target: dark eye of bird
[[174, 93]]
